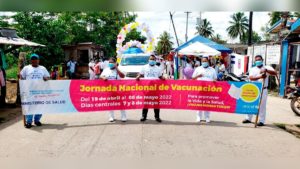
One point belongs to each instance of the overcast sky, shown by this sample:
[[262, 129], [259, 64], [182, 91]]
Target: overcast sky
[[160, 21]]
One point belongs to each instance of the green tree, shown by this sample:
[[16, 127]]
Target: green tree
[[276, 16], [54, 29], [266, 35], [164, 45], [42, 28], [135, 35], [238, 25], [3, 22], [218, 39], [255, 37], [205, 29]]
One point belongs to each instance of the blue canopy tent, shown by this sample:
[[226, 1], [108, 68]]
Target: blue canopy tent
[[199, 39], [205, 41], [133, 51]]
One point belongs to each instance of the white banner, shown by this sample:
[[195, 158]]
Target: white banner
[[273, 54]]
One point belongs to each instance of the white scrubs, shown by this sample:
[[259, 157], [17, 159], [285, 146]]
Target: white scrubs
[[209, 74], [112, 74]]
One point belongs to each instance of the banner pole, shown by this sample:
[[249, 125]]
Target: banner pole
[[261, 94], [24, 120]]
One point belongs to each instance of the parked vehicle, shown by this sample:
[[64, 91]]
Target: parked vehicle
[[232, 77], [131, 64], [295, 102]]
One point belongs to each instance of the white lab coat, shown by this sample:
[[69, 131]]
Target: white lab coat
[[209, 74]]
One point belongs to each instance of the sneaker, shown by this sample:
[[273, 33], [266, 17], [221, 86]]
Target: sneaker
[[143, 119], [28, 125], [38, 123], [111, 119], [123, 119], [207, 120], [246, 121], [158, 120], [260, 124]]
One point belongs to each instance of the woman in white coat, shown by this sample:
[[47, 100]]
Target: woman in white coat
[[113, 73], [205, 73]]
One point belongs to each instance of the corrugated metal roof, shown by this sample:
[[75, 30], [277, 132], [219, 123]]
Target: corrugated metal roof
[[9, 36], [18, 41]]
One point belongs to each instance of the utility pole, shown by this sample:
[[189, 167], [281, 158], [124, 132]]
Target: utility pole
[[199, 22], [171, 16], [250, 28], [187, 23]]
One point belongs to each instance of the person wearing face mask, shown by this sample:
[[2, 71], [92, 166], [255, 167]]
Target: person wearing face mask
[[112, 72], [260, 73], [151, 71], [205, 73]]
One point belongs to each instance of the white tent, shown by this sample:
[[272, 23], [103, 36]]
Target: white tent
[[198, 49]]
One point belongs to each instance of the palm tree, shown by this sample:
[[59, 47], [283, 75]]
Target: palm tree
[[217, 38], [238, 25], [164, 45], [276, 16], [205, 29]]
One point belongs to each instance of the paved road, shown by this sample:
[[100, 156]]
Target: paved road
[[90, 135]]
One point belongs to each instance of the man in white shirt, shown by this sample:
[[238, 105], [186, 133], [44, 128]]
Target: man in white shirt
[[151, 71], [205, 73], [261, 73], [71, 67], [169, 69], [91, 70], [112, 72], [34, 72]]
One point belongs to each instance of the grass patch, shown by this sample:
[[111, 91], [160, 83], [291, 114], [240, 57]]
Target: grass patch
[[280, 125], [289, 128], [12, 72]]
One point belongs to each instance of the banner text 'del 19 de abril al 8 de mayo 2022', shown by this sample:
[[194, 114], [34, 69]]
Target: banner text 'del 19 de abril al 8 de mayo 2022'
[[84, 96]]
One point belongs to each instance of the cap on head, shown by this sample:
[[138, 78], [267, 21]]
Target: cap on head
[[34, 56]]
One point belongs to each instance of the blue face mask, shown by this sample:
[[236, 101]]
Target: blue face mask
[[152, 62], [258, 63], [205, 64], [111, 65]]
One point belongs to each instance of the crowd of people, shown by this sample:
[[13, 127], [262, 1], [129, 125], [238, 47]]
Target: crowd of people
[[190, 65], [157, 68]]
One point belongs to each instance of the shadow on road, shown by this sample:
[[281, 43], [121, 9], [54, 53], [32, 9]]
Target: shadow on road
[[151, 122], [9, 116]]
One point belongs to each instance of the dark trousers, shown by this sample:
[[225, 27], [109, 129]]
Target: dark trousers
[[2, 96], [156, 113]]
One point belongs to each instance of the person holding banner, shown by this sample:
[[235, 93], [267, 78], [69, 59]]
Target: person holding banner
[[151, 71], [261, 73], [113, 73], [34, 72], [205, 73]]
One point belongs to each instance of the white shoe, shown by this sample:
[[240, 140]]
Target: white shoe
[[207, 120], [198, 119], [111, 119], [123, 119]]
